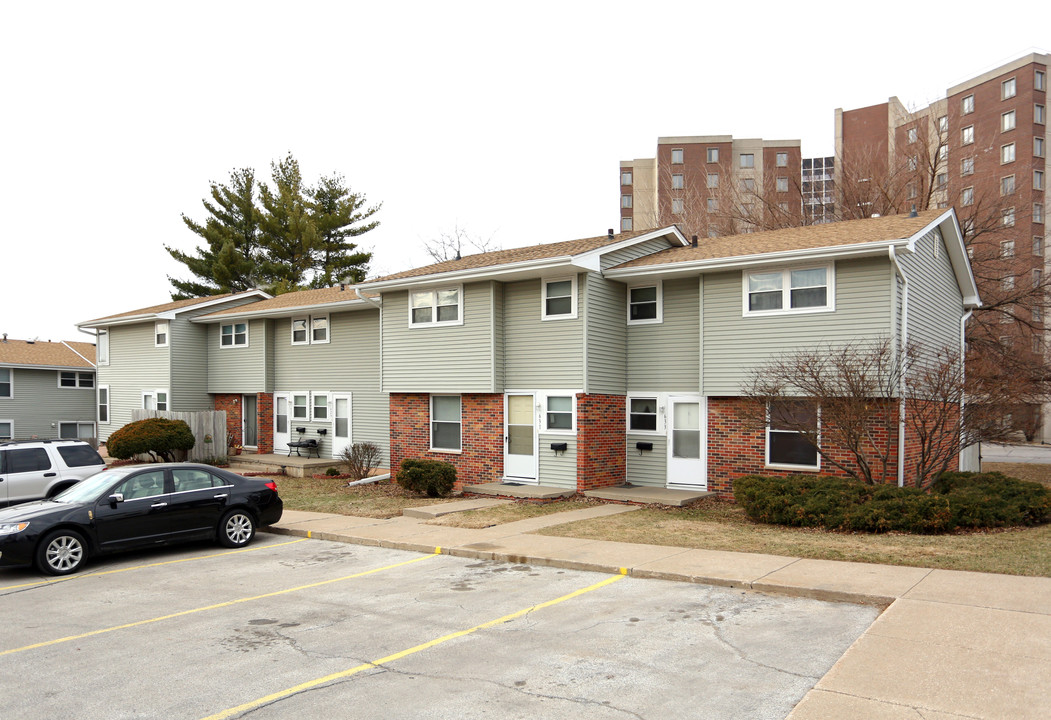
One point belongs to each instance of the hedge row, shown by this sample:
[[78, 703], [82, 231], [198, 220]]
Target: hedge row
[[956, 500]]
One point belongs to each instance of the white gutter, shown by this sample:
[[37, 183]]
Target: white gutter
[[370, 301], [963, 369], [901, 355]]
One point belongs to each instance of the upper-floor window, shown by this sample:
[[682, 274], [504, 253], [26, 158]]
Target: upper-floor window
[[1007, 248], [1007, 185], [943, 153], [1007, 89], [713, 155], [1038, 179], [1007, 121], [912, 134], [103, 403], [967, 135], [1007, 153], [102, 351], [1039, 80], [914, 162], [644, 304], [782, 159], [782, 184], [559, 298], [677, 206], [625, 201], [625, 177], [678, 182], [312, 329], [73, 379], [1039, 114], [943, 124], [436, 307], [625, 224], [676, 156], [789, 290], [748, 185], [967, 105], [1007, 217], [713, 180], [967, 166], [233, 335], [747, 160], [1038, 212], [5, 382], [1038, 147], [160, 334], [967, 196], [941, 180]]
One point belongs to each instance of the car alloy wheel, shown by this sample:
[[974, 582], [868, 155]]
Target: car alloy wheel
[[237, 529], [62, 553]]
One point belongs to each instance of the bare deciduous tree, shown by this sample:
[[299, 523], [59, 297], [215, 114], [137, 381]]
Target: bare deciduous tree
[[452, 245]]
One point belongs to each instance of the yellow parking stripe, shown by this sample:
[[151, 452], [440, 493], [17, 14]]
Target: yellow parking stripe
[[228, 603], [280, 695], [150, 565]]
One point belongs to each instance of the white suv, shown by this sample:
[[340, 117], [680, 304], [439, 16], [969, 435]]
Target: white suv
[[35, 469]]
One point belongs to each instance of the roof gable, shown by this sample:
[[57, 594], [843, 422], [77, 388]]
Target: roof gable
[[171, 309]]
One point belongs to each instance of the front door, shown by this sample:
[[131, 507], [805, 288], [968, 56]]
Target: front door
[[686, 442], [341, 438], [249, 422], [281, 434], [520, 438]]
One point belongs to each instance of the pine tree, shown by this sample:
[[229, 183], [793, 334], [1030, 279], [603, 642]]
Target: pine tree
[[338, 214], [287, 232]]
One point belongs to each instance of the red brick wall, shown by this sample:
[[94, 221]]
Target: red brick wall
[[600, 441], [232, 405], [481, 435], [264, 406]]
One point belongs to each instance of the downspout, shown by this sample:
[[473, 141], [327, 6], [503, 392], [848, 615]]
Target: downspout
[[963, 376], [94, 332], [370, 301], [902, 348]]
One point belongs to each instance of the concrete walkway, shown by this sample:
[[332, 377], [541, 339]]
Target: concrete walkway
[[949, 644]]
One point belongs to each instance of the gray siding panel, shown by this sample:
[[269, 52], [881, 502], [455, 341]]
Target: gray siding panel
[[238, 369], [666, 356], [558, 470], [189, 367], [37, 404], [648, 468], [734, 344], [497, 337], [541, 353], [935, 301], [606, 335], [453, 358], [135, 365], [631, 253]]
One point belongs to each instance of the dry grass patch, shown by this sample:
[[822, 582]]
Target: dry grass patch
[[719, 525], [379, 500], [1022, 471], [518, 510]]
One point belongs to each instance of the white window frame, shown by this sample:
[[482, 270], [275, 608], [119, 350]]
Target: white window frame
[[11, 424], [314, 395], [678, 181], [677, 156], [658, 411], [233, 335], [943, 124], [157, 328], [434, 322], [625, 177], [78, 380], [10, 383], [307, 405], [912, 135], [659, 285], [99, 404], [1008, 89], [1008, 121], [155, 393], [781, 184], [967, 166], [102, 348], [678, 206], [625, 200], [625, 224], [711, 155], [1038, 179], [967, 104], [78, 423], [741, 161], [1007, 217], [786, 291], [789, 466], [543, 397], [1007, 185], [308, 329], [1007, 248], [781, 160], [1007, 153], [967, 135], [967, 196], [1038, 147], [1039, 80], [431, 422], [573, 296], [1039, 114], [712, 181], [313, 330], [1038, 212]]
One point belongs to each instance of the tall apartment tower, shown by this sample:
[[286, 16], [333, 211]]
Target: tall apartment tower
[[819, 190], [713, 185]]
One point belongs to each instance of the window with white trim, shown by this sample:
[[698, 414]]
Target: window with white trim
[[73, 379], [310, 330], [713, 155], [713, 180], [644, 304], [943, 124], [912, 135], [781, 159], [625, 224], [678, 182], [5, 382], [747, 160], [1038, 245], [782, 184], [162, 400], [1007, 121], [103, 404], [1007, 248], [559, 298], [1007, 153], [76, 430], [1038, 179], [1007, 185], [154, 399], [642, 414], [320, 405], [160, 334], [1039, 114], [677, 206], [1007, 217], [789, 290], [1008, 88], [7, 429], [967, 135], [676, 156], [625, 201], [559, 413], [300, 406], [967, 105], [1038, 212], [233, 335], [1038, 147], [788, 423], [102, 351], [446, 423], [1039, 80], [442, 306], [625, 177], [967, 166], [967, 196], [318, 329]]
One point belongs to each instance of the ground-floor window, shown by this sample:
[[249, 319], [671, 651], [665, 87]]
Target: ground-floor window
[[76, 430], [788, 425], [7, 428], [445, 422]]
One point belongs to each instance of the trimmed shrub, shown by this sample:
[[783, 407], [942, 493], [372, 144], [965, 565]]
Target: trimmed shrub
[[331, 472], [957, 500], [159, 437], [432, 478]]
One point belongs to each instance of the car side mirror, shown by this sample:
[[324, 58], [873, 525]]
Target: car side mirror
[[116, 498]]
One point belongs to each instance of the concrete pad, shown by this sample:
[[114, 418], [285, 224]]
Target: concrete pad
[[429, 512], [842, 581], [821, 705], [1007, 592], [648, 495], [536, 523], [536, 492], [713, 567], [956, 673]]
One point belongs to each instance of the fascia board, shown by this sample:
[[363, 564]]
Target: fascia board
[[354, 304], [961, 264], [168, 314], [26, 366]]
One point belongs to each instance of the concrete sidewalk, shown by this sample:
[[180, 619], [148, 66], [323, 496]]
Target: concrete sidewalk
[[949, 644]]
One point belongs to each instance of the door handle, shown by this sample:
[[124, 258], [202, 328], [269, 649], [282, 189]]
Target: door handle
[[221, 496], [50, 474], [159, 505]]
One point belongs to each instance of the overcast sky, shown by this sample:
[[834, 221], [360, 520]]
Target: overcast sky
[[507, 119]]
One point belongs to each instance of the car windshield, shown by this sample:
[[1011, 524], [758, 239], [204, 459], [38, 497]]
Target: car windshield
[[88, 490]]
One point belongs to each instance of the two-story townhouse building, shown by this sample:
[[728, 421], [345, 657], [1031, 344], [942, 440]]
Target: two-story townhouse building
[[154, 358], [47, 389], [621, 358]]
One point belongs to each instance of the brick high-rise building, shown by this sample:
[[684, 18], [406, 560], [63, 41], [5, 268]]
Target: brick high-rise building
[[713, 185]]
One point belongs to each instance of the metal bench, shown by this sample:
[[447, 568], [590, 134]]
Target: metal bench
[[307, 445]]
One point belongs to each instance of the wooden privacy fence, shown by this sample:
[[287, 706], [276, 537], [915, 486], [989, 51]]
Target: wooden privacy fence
[[205, 425]]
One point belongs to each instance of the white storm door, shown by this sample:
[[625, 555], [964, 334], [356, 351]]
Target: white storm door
[[341, 433], [520, 438], [687, 442], [281, 421]]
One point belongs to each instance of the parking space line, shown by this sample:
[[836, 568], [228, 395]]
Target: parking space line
[[228, 603], [310, 684], [150, 565]]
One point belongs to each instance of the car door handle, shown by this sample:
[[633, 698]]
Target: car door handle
[[159, 505], [221, 496], [50, 474]]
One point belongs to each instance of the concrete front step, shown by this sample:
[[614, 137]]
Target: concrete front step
[[647, 495], [507, 490], [429, 512]]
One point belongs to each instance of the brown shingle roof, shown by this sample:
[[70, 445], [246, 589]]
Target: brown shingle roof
[[514, 255], [52, 354], [302, 298], [830, 235], [164, 307]]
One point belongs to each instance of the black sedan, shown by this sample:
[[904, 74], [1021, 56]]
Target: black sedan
[[133, 507]]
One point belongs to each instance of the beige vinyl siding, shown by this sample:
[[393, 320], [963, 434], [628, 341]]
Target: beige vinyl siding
[[37, 404], [135, 365], [189, 366], [650, 467], [541, 353], [497, 335], [238, 368], [269, 353], [667, 355], [635, 251], [348, 363], [935, 301], [557, 470], [606, 335], [448, 358], [734, 344]]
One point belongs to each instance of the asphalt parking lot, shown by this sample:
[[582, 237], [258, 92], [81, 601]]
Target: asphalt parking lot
[[309, 628]]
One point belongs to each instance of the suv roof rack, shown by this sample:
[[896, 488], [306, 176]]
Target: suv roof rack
[[5, 443]]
